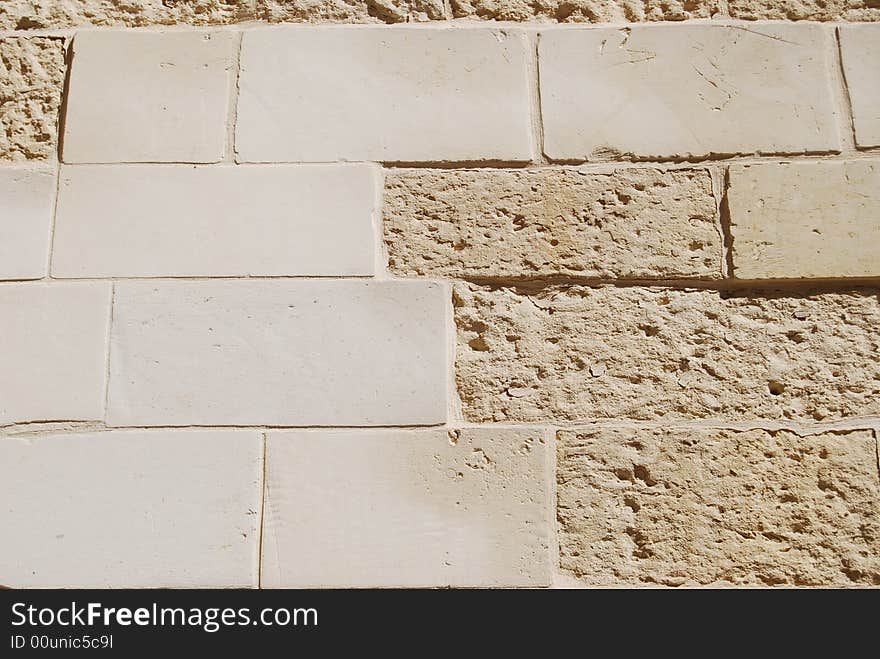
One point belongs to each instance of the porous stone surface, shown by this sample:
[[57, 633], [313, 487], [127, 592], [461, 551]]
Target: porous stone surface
[[44, 14], [31, 84], [805, 10], [577, 352], [391, 508], [584, 11], [686, 91], [860, 54], [723, 507], [350, 11], [805, 219], [135, 509], [629, 223]]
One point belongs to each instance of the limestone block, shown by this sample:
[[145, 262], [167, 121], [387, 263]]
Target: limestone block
[[805, 10], [27, 200], [805, 219], [860, 51], [156, 220], [31, 84], [48, 14], [584, 11], [709, 506], [53, 356], [131, 509], [149, 96], [471, 507], [630, 223], [685, 91], [383, 94], [577, 353], [285, 353], [350, 11]]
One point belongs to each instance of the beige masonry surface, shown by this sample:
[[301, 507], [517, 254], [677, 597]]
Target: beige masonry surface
[[700, 506], [628, 224], [816, 219], [166, 509], [490, 299], [468, 507]]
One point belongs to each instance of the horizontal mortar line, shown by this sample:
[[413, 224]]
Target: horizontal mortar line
[[464, 23], [673, 162], [803, 428], [720, 285], [870, 422]]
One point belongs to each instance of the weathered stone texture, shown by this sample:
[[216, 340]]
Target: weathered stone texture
[[350, 11], [860, 55], [39, 14], [629, 223], [571, 353], [805, 10], [805, 219], [31, 83], [584, 11], [725, 507]]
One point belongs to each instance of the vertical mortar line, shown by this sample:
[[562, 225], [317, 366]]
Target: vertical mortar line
[[60, 122], [447, 10], [533, 38], [724, 219], [877, 449], [263, 497], [723, 9], [232, 103], [840, 94], [381, 253], [717, 177], [454, 415], [553, 468], [110, 321]]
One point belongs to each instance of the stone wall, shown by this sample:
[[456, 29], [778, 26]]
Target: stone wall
[[466, 303]]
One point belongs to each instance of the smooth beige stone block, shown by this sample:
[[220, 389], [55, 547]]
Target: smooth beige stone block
[[27, 201], [53, 353], [805, 219], [860, 51], [643, 506], [685, 91], [135, 509], [383, 94], [386, 508], [285, 353], [149, 96], [154, 221]]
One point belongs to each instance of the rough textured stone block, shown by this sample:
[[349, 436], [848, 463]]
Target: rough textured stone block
[[43, 14], [805, 219], [350, 11], [27, 200], [400, 94], [471, 507], [629, 223], [805, 10], [584, 11], [294, 353], [153, 220], [131, 509], [53, 356], [31, 83], [699, 506], [860, 51], [148, 97], [686, 91], [570, 353]]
